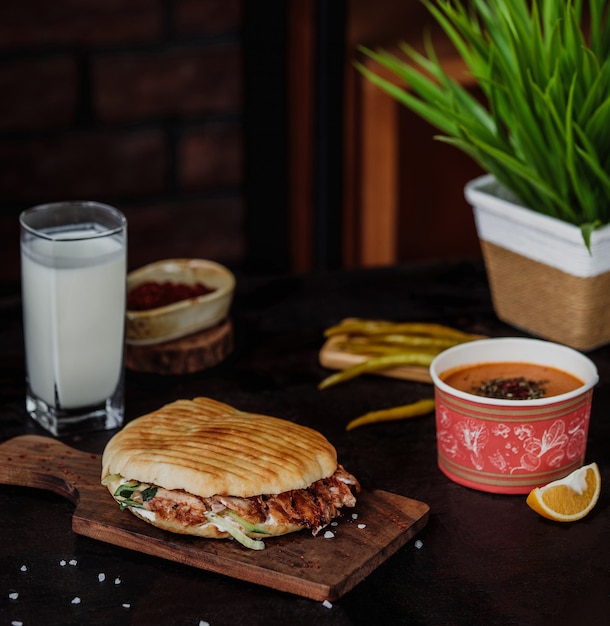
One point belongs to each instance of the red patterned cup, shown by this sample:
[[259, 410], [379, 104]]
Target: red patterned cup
[[511, 446]]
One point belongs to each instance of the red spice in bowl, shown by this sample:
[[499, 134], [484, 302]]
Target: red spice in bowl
[[153, 294], [175, 298]]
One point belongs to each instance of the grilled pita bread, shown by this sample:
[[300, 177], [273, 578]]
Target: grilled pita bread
[[202, 456], [206, 447]]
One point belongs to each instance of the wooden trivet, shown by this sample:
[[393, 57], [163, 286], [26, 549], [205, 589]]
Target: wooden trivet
[[185, 355]]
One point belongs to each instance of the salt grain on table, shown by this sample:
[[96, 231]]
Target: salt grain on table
[[329, 534], [419, 544], [361, 526], [13, 596], [72, 562], [62, 562], [24, 568], [15, 623], [76, 600], [117, 581], [101, 577], [327, 604]]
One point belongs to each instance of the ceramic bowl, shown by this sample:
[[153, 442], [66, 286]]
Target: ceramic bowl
[[184, 317], [511, 446]]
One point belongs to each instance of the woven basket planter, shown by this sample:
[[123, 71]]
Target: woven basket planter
[[542, 278]]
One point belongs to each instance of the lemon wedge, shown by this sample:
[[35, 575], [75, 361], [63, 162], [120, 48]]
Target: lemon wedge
[[570, 498]]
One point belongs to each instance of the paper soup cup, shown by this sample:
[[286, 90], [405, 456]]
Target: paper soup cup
[[511, 446]]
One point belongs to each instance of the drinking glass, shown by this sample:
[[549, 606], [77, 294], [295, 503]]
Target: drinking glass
[[73, 274]]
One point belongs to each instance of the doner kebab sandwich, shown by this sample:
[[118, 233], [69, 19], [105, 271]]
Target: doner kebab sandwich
[[201, 467]]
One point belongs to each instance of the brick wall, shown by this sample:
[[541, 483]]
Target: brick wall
[[137, 103]]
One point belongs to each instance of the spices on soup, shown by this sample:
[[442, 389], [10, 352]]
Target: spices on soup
[[516, 388], [153, 294]]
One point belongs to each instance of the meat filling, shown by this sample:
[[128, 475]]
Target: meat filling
[[311, 508]]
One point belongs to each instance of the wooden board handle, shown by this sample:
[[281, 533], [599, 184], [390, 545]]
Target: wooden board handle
[[45, 463]]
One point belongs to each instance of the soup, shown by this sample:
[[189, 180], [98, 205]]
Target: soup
[[511, 381]]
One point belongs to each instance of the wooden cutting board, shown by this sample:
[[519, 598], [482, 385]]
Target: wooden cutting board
[[332, 357], [335, 359], [318, 568]]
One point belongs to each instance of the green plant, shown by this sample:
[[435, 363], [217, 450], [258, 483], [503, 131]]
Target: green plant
[[542, 127]]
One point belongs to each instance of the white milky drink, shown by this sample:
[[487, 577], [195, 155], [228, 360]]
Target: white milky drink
[[73, 271], [74, 303]]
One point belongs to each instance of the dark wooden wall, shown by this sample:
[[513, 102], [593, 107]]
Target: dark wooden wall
[[368, 185], [403, 190]]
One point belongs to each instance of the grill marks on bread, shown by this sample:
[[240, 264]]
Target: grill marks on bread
[[208, 448]]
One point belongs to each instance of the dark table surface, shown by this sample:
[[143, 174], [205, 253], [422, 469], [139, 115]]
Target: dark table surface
[[483, 558]]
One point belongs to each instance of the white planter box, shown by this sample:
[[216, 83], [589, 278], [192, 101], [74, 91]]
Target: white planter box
[[542, 277], [504, 222]]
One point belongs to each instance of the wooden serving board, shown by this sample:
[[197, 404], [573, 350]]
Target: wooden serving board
[[333, 358], [313, 567]]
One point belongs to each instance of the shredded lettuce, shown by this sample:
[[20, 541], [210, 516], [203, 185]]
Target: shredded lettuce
[[253, 528], [149, 493], [230, 526], [125, 492], [110, 478]]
